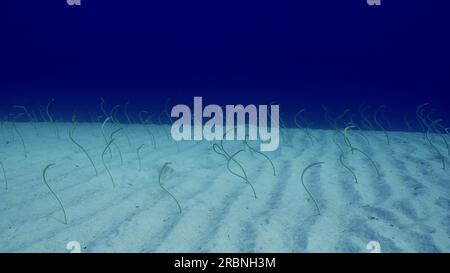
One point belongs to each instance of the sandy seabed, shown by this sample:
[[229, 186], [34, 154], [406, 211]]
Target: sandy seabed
[[405, 207]]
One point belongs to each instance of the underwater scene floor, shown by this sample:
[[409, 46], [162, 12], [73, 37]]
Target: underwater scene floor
[[143, 192]]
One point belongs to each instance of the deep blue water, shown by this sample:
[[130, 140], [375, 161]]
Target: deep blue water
[[300, 54]]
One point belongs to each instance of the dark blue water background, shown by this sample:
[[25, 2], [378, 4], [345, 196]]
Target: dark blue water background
[[300, 54]]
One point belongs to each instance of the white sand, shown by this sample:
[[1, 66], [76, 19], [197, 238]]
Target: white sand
[[406, 209]]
